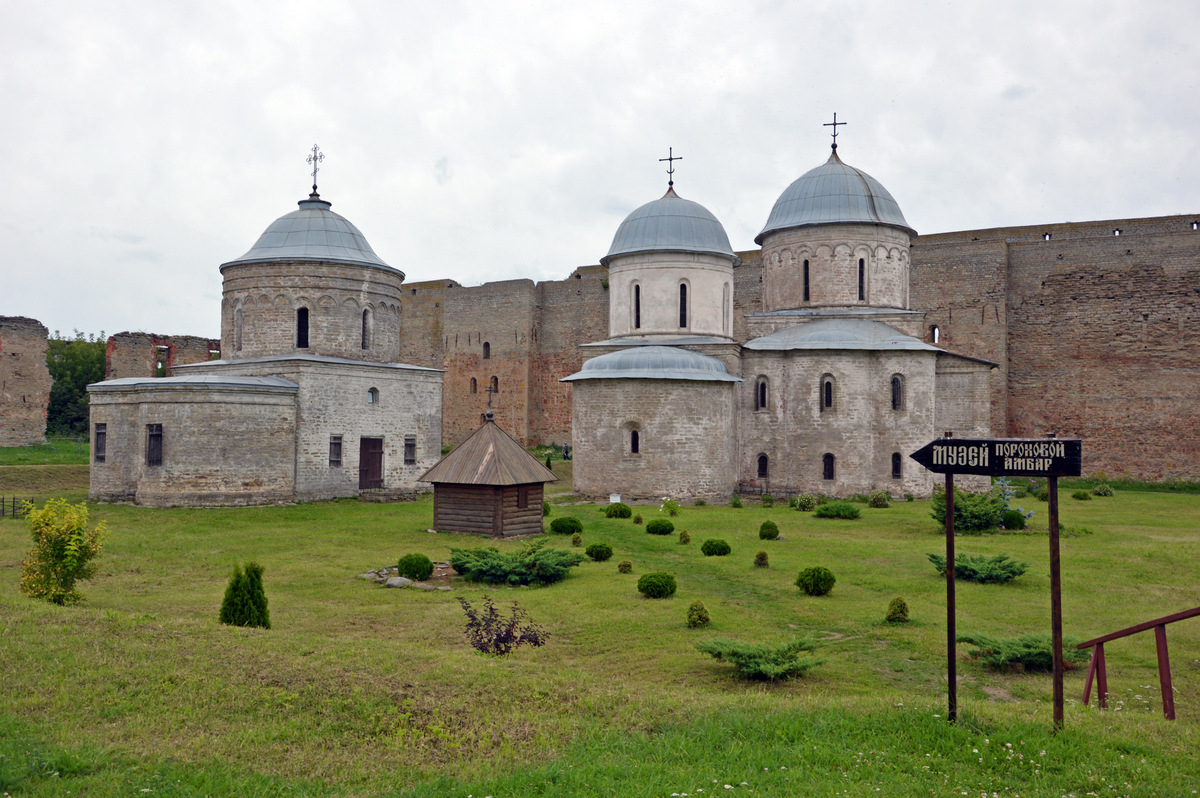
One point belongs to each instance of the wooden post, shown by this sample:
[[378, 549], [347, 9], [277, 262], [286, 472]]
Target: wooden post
[[1164, 671], [951, 633], [1055, 600]]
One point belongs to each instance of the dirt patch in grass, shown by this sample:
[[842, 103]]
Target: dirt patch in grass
[[40, 480]]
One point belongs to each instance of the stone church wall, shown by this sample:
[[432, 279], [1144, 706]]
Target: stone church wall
[[137, 354], [24, 381]]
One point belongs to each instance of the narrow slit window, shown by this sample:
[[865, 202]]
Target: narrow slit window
[[373, 396], [335, 450], [98, 448], [635, 444], [487, 350], [637, 307], [896, 461], [495, 385], [154, 444], [827, 466], [683, 308], [862, 280], [237, 330], [897, 392], [935, 333], [474, 386], [366, 329], [807, 294], [826, 393], [410, 449], [302, 328], [764, 464]]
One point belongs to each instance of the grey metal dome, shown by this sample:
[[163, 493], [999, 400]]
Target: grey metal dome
[[670, 224], [840, 334], [834, 193], [654, 363], [313, 233]]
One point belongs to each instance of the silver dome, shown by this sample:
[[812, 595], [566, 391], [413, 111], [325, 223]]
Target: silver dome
[[670, 224], [313, 233], [834, 193], [654, 363]]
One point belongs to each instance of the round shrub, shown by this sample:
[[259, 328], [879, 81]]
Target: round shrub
[[656, 585], [416, 567], [768, 500], [545, 509], [897, 611], [625, 567], [1081, 495], [805, 502], [1013, 519], [735, 501], [567, 525], [637, 519], [1102, 490], [577, 539], [908, 497], [698, 615], [659, 526], [715, 548], [879, 499], [760, 560], [599, 551], [816, 581], [838, 509], [618, 510], [768, 531], [684, 537]]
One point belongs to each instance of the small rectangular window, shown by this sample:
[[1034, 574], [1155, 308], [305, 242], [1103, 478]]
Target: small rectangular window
[[154, 444], [335, 450], [522, 497], [101, 443], [410, 450]]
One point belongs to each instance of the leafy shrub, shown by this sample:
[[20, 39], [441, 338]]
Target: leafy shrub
[[245, 602], [979, 568], [567, 525], [761, 661], [700, 503], [792, 503], [545, 509], [684, 537], [805, 502], [760, 560], [577, 539], [618, 510], [767, 500], [838, 509], [1102, 490], [531, 565], [908, 497], [879, 499], [637, 519], [1043, 495], [656, 585], [715, 548], [897, 611], [625, 567], [1013, 519], [416, 567], [973, 512], [599, 551], [670, 507], [62, 553], [659, 526], [1031, 652], [768, 530], [816, 581], [1082, 495], [697, 615], [488, 632], [735, 501]]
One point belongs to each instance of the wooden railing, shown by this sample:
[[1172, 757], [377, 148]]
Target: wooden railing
[[1098, 673]]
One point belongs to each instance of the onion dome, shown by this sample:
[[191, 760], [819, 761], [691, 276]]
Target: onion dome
[[313, 233], [834, 193], [670, 224], [654, 363]]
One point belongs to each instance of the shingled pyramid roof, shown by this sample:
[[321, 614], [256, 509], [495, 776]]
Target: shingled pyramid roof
[[489, 457]]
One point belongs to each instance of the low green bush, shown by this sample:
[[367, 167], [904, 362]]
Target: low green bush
[[599, 551], [656, 585], [768, 530], [1102, 490], [670, 507], [767, 500], [577, 539], [806, 502], [533, 564], [981, 568], [684, 537], [908, 497], [545, 509], [838, 509], [416, 567], [1031, 652], [618, 510], [715, 548], [637, 519], [761, 661], [973, 512], [1043, 495], [1013, 519], [1082, 495], [62, 553], [879, 500], [816, 581], [659, 526], [760, 560], [735, 501], [897, 611], [697, 615], [566, 525], [625, 567], [700, 503]]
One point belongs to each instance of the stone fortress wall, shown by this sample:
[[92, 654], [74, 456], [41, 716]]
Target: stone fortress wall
[[24, 381]]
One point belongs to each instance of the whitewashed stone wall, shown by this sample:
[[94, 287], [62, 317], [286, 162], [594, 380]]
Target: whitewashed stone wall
[[709, 281]]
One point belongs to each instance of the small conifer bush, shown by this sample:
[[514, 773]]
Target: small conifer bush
[[1102, 490], [760, 560], [879, 500], [659, 526], [245, 602], [533, 564], [1081, 495], [768, 500], [1031, 652], [618, 510], [577, 539], [897, 611], [761, 661], [545, 509], [625, 567], [768, 530], [416, 567], [714, 548], [735, 501], [816, 581], [599, 551], [837, 509], [806, 502], [981, 568], [684, 537], [548, 463], [637, 519], [1013, 519], [697, 615], [656, 585], [567, 525]]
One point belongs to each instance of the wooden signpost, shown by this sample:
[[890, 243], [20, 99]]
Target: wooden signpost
[[1048, 457]]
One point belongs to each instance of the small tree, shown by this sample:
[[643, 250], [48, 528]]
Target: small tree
[[245, 602], [697, 615], [62, 553]]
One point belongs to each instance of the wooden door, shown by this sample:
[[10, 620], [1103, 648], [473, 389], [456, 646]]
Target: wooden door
[[370, 463]]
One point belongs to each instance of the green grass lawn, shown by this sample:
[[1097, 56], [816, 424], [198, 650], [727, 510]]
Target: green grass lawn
[[362, 691]]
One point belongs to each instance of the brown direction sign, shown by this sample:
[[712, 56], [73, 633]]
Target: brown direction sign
[[997, 457]]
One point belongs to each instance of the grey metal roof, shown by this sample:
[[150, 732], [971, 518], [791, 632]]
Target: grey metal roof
[[196, 381], [341, 361], [840, 334], [313, 233], [660, 340], [654, 363], [670, 224], [489, 457], [834, 193]]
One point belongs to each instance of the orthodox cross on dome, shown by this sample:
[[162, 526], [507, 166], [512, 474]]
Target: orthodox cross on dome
[[670, 159], [491, 389], [314, 159], [834, 124]]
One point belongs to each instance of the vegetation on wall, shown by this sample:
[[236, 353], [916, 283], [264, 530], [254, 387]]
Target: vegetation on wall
[[73, 364]]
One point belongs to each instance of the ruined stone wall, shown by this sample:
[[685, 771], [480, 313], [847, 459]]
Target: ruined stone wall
[[24, 381], [137, 354], [421, 335]]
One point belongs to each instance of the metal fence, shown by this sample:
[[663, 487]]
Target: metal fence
[[12, 507]]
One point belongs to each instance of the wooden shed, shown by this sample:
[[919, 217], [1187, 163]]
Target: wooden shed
[[488, 484]]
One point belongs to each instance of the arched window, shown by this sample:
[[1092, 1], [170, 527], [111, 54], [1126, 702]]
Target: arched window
[[302, 328], [827, 393], [763, 466], [373, 396], [897, 392], [683, 308], [483, 418], [827, 464], [487, 350], [934, 333], [237, 329], [635, 444], [862, 280], [474, 385], [495, 385], [637, 307], [896, 461], [366, 329], [760, 393], [807, 295]]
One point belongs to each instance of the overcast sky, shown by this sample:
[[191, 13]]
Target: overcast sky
[[145, 143]]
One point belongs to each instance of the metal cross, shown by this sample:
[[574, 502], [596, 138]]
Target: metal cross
[[314, 159], [834, 124], [670, 159], [491, 390]]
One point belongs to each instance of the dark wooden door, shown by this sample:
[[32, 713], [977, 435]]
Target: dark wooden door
[[370, 463]]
